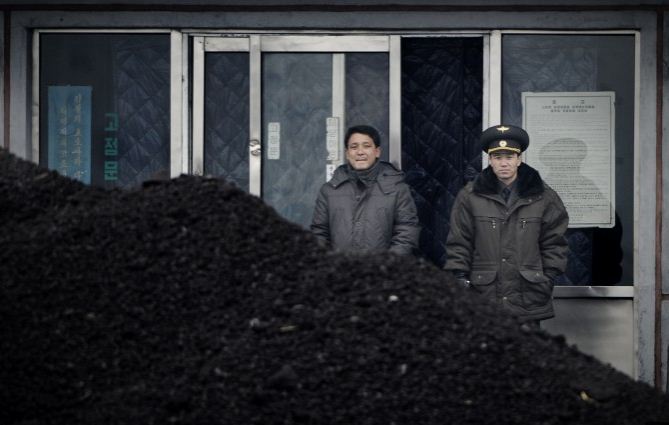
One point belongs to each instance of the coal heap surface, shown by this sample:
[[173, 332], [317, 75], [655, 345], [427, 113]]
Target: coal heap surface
[[191, 302]]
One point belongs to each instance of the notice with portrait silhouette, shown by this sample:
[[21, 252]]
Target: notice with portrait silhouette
[[572, 144]]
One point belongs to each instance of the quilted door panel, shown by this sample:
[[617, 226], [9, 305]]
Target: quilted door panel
[[441, 125], [226, 120]]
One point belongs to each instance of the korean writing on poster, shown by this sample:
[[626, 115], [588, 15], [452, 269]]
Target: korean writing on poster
[[573, 146]]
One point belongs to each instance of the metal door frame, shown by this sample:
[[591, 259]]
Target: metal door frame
[[615, 299], [495, 75], [255, 45], [178, 68]]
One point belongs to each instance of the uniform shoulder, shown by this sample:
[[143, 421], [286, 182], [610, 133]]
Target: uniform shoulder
[[551, 194], [467, 188], [465, 193], [549, 191]]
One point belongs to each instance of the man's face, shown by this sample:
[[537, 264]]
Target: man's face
[[505, 165], [361, 152]]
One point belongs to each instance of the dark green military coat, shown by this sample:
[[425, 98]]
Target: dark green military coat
[[510, 253]]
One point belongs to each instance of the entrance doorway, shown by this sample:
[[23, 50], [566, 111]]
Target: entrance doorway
[[270, 112]]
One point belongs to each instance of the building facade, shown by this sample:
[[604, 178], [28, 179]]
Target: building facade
[[260, 93]]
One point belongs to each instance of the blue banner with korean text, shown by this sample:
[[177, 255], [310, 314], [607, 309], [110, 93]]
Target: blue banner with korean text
[[69, 132]]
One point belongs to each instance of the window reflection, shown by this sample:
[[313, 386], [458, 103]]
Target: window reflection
[[583, 63], [105, 106]]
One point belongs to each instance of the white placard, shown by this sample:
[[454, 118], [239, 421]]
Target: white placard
[[274, 140], [572, 144], [329, 171], [332, 138]]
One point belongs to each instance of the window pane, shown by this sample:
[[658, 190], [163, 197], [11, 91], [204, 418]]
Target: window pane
[[105, 106], [296, 102], [442, 109], [583, 63], [367, 94], [226, 117]]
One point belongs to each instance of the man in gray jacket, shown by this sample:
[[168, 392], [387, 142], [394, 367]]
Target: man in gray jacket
[[506, 239], [366, 206]]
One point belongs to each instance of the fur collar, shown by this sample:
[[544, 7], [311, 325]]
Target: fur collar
[[529, 182]]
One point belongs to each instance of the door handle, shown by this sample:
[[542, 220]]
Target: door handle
[[254, 147]]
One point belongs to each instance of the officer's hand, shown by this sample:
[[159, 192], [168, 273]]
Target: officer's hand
[[462, 280]]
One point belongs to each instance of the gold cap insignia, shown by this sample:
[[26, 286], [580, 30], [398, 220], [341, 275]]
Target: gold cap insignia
[[502, 143], [502, 129]]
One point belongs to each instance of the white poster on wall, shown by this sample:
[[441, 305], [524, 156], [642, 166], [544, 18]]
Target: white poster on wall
[[572, 144]]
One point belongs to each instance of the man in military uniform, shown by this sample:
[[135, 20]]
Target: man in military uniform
[[506, 239]]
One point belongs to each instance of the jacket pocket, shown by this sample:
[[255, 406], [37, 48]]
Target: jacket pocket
[[486, 237], [487, 223], [526, 222], [537, 289], [529, 228], [529, 233], [482, 281]]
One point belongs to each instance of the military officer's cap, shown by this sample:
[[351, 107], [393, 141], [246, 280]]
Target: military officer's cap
[[504, 138]]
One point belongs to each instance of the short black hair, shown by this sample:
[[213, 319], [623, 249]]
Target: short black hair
[[367, 130]]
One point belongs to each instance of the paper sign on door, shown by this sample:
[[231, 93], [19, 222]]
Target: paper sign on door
[[329, 171], [274, 140], [332, 138]]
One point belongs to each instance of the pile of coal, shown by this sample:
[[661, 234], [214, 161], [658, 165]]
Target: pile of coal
[[191, 302]]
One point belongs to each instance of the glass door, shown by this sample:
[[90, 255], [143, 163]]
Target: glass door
[[270, 112]]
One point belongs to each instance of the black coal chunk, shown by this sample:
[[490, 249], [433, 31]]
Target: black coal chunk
[[191, 302]]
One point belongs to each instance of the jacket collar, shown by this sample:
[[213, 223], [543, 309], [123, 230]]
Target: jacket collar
[[529, 182], [339, 176], [387, 179]]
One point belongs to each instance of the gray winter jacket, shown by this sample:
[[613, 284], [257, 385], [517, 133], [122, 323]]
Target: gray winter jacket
[[378, 217], [511, 254]]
